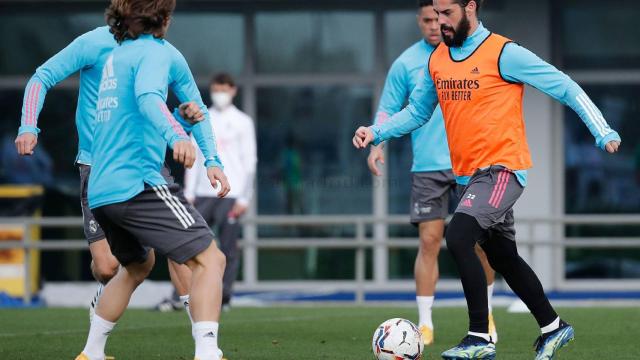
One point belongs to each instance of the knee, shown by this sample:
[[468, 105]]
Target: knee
[[463, 233], [430, 244], [219, 258], [212, 257], [139, 272], [104, 268]]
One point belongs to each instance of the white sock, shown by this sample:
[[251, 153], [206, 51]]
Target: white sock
[[424, 311], [205, 334], [184, 299], [97, 339], [553, 326], [490, 297], [481, 335]]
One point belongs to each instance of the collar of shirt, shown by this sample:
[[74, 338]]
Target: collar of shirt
[[427, 46], [470, 44]]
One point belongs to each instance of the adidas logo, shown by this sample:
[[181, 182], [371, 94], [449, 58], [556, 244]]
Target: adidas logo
[[209, 334], [467, 203], [475, 70]]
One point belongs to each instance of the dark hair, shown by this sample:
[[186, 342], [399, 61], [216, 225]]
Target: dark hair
[[128, 19], [223, 79], [423, 3], [464, 3]]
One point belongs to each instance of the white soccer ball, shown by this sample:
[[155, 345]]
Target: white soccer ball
[[397, 339]]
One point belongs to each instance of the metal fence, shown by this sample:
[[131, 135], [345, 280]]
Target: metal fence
[[546, 249]]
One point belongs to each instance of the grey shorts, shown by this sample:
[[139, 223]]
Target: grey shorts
[[430, 194], [159, 218], [489, 198], [92, 230]]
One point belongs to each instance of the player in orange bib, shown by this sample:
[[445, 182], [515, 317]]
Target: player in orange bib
[[478, 78]]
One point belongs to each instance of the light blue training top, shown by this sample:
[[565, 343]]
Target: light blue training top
[[429, 142], [132, 124], [517, 64], [87, 54]]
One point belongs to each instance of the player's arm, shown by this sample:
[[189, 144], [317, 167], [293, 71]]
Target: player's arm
[[69, 60], [151, 78], [394, 94], [518, 64], [185, 88], [422, 104]]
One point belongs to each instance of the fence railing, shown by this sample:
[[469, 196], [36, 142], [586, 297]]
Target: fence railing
[[528, 242]]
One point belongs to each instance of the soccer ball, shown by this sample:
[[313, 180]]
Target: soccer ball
[[397, 339]]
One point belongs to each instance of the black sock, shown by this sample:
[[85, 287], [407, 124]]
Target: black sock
[[463, 233]]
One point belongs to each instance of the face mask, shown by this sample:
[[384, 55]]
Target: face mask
[[221, 100]]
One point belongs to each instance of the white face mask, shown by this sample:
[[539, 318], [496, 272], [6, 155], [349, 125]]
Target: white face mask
[[221, 100]]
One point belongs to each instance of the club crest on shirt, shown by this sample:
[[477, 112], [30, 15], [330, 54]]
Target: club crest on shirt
[[93, 226]]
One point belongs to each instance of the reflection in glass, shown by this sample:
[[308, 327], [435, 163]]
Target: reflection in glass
[[29, 45], [307, 164], [305, 42], [219, 46], [608, 35], [597, 182]]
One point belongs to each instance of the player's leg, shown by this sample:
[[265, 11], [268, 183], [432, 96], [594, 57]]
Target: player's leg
[[484, 203], [228, 233], [491, 279], [181, 234], [181, 274], [137, 263], [104, 265], [426, 274], [503, 256], [429, 208], [181, 279]]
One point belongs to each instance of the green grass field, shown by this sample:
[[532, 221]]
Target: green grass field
[[302, 333]]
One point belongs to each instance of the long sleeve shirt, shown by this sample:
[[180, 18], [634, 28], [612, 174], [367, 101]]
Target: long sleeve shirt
[[517, 64], [429, 142], [87, 54]]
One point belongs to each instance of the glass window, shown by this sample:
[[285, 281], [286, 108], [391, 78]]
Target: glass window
[[401, 264], [220, 44], [401, 31], [36, 37], [599, 263], [307, 164], [608, 35], [306, 42], [597, 182]]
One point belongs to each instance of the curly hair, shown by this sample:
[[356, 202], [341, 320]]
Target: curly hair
[[128, 19]]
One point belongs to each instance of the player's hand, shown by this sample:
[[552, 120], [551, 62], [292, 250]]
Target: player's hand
[[216, 176], [363, 137], [25, 143], [612, 147], [184, 152], [238, 210], [191, 112], [376, 154]]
